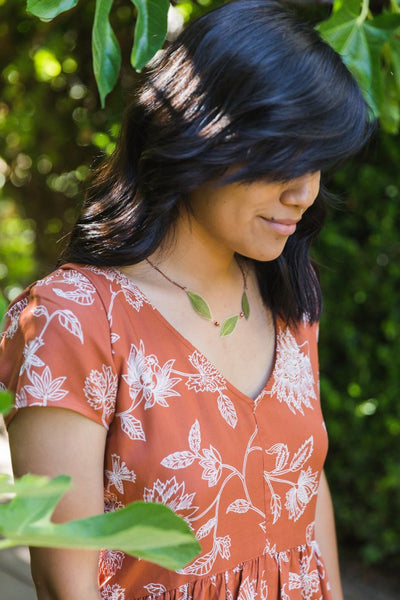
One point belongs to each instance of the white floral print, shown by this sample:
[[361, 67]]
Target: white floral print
[[294, 379], [172, 494], [14, 314], [113, 592], [207, 378], [301, 493], [211, 461], [212, 465], [248, 589], [45, 388], [82, 291], [30, 358], [148, 380], [21, 400], [110, 562], [155, 588], [119, 474], [100, 390]]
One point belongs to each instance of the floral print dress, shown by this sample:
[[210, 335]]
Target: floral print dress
[[243, 473]]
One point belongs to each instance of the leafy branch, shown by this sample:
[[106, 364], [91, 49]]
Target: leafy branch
[[369, 45], [149, 35]]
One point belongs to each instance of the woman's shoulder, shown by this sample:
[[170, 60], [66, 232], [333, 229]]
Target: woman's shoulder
[[89, 301], [81, 285], [68, 293], [56, 342]]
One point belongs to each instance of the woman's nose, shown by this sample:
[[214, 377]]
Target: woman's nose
[[302, 191]]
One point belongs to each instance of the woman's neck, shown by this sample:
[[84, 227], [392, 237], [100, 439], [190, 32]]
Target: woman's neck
[[190, 256]]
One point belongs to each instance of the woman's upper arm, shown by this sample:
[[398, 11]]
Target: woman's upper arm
[[56, 357], [55, 441]]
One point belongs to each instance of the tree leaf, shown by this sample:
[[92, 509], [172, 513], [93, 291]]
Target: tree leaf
[[229, 325], [245, 305], [106, 50], [199, 305], [150, 30], [360, 43], [48, 9], [147, 530]]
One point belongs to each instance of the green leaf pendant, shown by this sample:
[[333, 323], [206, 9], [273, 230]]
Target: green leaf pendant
[[199, 305], [229, 326], [245, 305]]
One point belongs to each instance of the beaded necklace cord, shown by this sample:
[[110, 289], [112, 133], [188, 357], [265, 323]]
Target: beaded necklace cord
[[201, 307]]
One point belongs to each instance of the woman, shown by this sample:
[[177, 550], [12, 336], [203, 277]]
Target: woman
[[172, 357]]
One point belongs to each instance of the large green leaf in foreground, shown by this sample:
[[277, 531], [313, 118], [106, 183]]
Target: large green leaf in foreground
[[150, 531]]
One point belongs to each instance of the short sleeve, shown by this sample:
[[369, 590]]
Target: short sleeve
[[56, 349]]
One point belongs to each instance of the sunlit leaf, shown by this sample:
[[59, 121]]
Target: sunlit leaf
[[106, 50], [48, 9], [360, 43], [150, 531], [228, 326], [199, 305], [150, 30]]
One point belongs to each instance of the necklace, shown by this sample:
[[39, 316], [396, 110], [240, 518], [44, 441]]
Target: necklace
[[201, 307]]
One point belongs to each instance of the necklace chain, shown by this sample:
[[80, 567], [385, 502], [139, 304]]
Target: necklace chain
[[201, 307]]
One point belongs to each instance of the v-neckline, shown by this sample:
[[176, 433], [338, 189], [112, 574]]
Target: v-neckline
[[191, 346]]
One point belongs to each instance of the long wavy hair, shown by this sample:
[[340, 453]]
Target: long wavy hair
[[246, 85]]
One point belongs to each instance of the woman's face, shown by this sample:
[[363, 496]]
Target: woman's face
[[255, 219]]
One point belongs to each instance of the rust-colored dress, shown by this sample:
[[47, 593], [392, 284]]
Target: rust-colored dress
[[244, 473]]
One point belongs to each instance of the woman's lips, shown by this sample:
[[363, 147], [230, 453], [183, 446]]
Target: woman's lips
[[284, 227]]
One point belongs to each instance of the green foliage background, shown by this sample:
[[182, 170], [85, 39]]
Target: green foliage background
[[52, 129]]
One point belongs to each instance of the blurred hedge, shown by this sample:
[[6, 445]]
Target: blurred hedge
[[359, 253], [52, 129]]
